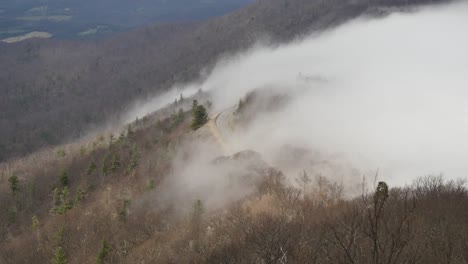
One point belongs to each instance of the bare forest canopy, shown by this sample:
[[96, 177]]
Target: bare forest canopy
[[57, 90]]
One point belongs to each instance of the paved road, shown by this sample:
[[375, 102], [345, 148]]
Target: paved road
[[219, 127]]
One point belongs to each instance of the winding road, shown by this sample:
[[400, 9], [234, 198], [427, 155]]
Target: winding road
[[219, 123]]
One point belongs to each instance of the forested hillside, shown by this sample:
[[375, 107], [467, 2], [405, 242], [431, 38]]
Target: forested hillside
[[123, 199], [54, 91]]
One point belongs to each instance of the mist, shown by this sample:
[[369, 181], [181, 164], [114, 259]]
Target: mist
[[386, 95]]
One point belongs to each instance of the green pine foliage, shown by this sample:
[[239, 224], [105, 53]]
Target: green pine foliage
[[64, 181], [104, 167], [14, 184], [115, 163], [124, 210], [103, 252], [194, 105], [121, 138], [130, 132], [177, 118], [133, 159], [111, 140], [199, 117], [35, 222], [59, 256], [82, 151], [91, 168], [79, 195], [61, 153]]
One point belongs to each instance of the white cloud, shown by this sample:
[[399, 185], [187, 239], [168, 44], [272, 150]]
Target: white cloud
[[396, 95]]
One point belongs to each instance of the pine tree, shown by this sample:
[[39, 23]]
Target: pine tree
[[59, 256], [194, 106], [115, 163], [14, 184], [35, 222], [198, 211], [91, 168], [209, 104], [64, 179], [121, 138], [65, 203], [303, 180], [111, 139], [82, 150], [381, 192], [178, 117], [180, 114], [134, 159], [104, 168], [80, 193], [130, 132], [61, 153], [200, 117], [103, 252]]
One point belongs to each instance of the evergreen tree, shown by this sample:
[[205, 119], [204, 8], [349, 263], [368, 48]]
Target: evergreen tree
[[130, 132], [91, 168], [55, 199], [14, 184], [115, 163], [64, 179], [198, 211], [134, 159], [111, 139], [65, 203], [121, 138], [82, 150], [103, 252], [194, 106], [104, 168], [180, 114], [35, 222], [80, 193], [178, 117], [61, 153], [59, 256], [200, 117], [381, 192]]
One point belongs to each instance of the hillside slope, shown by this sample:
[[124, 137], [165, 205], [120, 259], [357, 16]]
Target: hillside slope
[[157, 194], [53, 91]]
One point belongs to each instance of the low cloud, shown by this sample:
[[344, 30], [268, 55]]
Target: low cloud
[[388, 94]]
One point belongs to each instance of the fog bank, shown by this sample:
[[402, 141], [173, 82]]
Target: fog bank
[[388, 94]]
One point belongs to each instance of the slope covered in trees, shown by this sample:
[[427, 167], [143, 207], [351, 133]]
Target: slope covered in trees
[[53, 91], [117, 199]]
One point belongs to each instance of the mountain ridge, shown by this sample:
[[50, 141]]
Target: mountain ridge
[[56, 90]]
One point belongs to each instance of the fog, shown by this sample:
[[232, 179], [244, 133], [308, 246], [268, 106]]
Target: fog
[[385, 94]]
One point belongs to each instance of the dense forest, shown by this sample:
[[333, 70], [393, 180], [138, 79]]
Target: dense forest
[[114, 200], [56, 90], [164, 189]]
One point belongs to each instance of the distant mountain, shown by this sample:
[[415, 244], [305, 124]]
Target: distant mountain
[[53, 90], [73, 18]]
